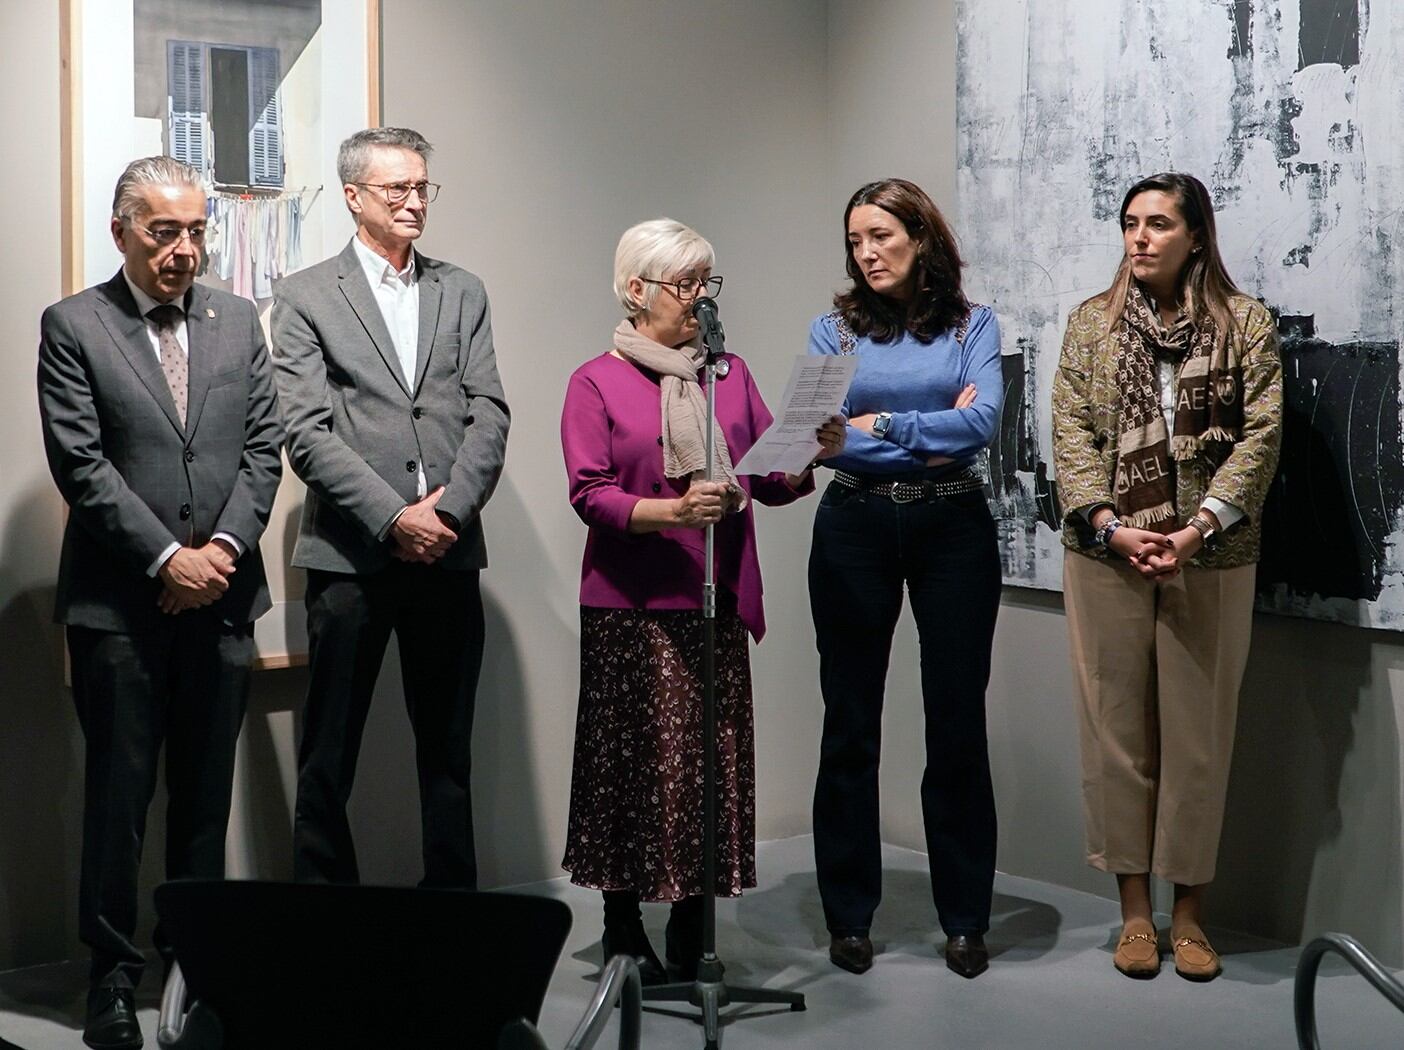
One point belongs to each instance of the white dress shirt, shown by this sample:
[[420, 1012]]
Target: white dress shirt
[[145, 304]]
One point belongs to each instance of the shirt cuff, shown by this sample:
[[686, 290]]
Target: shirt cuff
[[232, 540], [161, 559], [391, 523], [1227, 513]]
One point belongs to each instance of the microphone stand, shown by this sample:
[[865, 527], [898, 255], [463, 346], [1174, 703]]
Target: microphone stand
[[709, 991]]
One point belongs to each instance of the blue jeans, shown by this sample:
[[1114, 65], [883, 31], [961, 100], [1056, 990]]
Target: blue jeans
[[866, 549]]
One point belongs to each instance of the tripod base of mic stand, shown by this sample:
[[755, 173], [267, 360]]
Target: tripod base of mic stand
[[710, 993]]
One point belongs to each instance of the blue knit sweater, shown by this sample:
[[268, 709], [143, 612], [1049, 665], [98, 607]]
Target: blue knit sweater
[[918, 383]]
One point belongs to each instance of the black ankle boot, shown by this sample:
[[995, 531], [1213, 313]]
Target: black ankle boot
[[624, 935], [683, 938]]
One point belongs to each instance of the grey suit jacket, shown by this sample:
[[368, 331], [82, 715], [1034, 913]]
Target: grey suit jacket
[[358, 434], [134, 478]]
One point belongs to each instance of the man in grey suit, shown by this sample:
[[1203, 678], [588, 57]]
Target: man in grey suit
[[397, 423], [162, 433]]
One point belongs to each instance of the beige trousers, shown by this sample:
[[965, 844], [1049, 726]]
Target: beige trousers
[[1158, 666]]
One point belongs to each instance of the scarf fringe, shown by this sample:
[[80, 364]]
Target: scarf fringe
[[1147, 516], [1183, 446]]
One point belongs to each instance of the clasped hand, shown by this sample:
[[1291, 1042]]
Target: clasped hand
[[1154, 555], [420, 533], [195, 577]]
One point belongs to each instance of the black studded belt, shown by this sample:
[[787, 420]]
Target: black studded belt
[[967, 480]]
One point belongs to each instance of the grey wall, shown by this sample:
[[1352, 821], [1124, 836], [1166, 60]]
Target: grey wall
[[40, 756], [557, 128]]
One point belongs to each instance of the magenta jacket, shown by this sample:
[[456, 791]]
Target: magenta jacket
[[611, 433]]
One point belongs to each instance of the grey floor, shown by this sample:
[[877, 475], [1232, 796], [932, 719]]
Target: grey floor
[[1050, 984]]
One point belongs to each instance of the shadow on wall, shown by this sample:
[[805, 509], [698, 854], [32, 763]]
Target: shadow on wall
[[1312, 832], [41, 753]]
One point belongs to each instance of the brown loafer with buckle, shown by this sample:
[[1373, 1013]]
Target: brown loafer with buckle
[[1195, 959], [1138, 952]]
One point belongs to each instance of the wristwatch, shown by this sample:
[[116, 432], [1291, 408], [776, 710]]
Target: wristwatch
[[1207, 533], [880, 425]]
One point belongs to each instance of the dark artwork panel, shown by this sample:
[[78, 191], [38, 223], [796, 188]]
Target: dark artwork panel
[[1339, 489]]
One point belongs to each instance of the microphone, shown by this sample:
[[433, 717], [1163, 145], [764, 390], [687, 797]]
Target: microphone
[[713, 338]]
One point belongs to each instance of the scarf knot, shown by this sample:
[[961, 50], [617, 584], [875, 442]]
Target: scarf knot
[[684, 409]]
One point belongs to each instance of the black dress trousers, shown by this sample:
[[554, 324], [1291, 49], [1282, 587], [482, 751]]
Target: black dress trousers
[[437, 617], [867, 549], [185, 682]]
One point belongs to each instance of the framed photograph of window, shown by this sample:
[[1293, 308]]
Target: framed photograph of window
[[255, 94]]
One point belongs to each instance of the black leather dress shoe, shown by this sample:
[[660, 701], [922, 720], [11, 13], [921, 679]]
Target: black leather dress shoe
[[854, 954], [966, 955], [112, 1020]]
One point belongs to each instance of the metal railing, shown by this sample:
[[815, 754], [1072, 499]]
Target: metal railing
[[1304, 990]]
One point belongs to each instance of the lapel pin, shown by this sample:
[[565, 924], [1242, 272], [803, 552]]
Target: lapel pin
[[209, 312]]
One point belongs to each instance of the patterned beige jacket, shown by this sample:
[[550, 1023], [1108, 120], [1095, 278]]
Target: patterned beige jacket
[[1086, 406]]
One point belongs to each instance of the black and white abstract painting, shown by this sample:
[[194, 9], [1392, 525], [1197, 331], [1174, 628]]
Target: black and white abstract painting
[[1292, 112]]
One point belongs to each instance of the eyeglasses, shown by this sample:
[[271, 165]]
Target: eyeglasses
[[690, 288], [166, 236], [398, 192]]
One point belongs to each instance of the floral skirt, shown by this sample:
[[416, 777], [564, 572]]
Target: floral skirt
[[636, 785]]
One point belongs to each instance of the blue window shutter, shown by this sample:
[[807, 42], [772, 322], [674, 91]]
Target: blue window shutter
[[185, 102], [266, 135]]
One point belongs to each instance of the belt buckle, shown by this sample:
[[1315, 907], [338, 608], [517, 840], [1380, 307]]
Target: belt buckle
[[900, 490]]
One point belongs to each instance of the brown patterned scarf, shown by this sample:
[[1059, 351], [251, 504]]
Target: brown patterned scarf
[[1208, 407]]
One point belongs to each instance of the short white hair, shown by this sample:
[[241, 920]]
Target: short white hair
[[128, 200], [656, 249]]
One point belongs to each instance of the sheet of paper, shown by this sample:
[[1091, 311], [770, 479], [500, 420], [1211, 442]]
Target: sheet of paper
[[818, 384]]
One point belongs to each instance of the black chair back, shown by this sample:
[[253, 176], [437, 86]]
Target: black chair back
[[300, 966]]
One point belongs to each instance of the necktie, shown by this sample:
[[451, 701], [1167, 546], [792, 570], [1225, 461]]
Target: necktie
[[173, 359]]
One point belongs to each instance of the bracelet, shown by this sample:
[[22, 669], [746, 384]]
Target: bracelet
[[1104, 534], [1205, 528]]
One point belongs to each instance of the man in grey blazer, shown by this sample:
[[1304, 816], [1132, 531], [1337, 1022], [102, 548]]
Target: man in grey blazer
[[162, 433], [397, 423]]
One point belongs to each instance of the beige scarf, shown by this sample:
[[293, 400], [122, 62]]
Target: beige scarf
[[684, 408], [1208, 407]]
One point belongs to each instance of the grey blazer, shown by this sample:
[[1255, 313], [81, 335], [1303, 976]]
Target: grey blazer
[[358, 434], [134, 479]]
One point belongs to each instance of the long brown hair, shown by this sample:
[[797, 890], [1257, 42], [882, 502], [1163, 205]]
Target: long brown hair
[[1205, 283], [938, 304]]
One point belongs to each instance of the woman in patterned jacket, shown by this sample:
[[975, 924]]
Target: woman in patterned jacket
[[1167, 409]]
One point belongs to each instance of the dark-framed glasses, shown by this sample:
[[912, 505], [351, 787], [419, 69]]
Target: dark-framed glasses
[[690, 288], [167, 234], [398, 192]]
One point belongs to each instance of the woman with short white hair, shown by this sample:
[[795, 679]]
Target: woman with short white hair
[[633, 435]]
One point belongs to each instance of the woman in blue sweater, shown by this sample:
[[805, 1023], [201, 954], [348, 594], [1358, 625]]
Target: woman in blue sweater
[[906, 509]]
